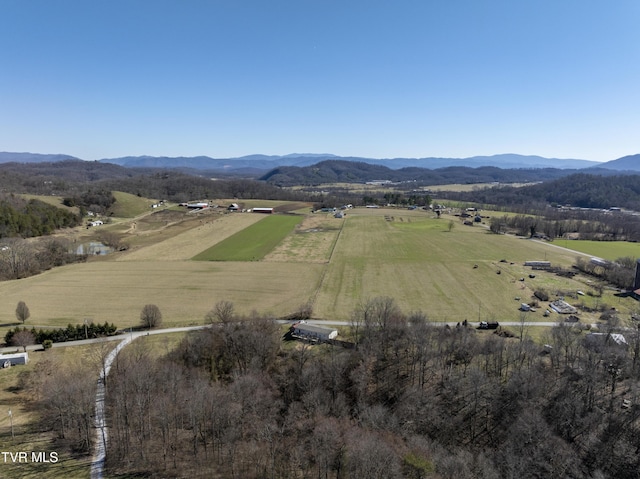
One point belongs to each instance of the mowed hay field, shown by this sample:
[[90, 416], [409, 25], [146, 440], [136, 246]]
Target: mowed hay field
[[312, 241], [116, 291], [336, 263], [206, 231], [424, 266], [253, 242], [609, 250]]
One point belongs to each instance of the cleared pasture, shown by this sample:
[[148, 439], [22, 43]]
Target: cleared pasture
[[183, 290], [472, 186], [609, 250], [312, 241], [129, 206], [254, 242], [337, 263], [426, 267], [56, 201], [181, 242]]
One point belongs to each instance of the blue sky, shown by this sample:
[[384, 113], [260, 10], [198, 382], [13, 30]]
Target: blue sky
[[445, 78]]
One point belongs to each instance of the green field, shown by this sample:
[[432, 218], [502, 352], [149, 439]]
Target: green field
[[421, 264], [253, 242], [609, 250], [129, 206], [335, 263]]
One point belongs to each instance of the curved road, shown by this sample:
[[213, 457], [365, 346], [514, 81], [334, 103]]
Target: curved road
[[97, 463]]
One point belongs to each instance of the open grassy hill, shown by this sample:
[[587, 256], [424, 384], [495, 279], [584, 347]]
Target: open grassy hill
[[129, 206]]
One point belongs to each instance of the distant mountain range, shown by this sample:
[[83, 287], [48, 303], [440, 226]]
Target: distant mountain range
[[6, 157], [263, 163]]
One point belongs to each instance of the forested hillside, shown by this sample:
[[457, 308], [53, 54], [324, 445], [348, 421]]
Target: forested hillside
[[578, 190], [19, 217], [338, 171]]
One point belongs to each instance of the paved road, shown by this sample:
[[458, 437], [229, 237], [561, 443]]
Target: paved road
[[137, 334]]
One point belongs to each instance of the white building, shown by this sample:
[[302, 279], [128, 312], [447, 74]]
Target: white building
[[7, 360], [312, 332]]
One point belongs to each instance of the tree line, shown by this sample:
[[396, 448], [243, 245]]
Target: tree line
[[20, 258], [553, 223], [70, 333]]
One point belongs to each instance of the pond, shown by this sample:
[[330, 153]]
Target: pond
[[93, 248]]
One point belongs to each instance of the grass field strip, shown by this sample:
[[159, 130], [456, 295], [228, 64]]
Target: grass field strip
[[254, 242]]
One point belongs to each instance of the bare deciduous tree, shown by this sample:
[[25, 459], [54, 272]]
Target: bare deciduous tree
[[150, 316], [16, 258], [223, 311], [23, 339]]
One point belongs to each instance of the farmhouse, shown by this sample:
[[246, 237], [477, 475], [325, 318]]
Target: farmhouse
[[7, 360], [312, 332]]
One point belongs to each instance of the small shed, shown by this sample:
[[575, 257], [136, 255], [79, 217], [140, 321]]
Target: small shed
[[312, 332], [7, 360], [538, 264]]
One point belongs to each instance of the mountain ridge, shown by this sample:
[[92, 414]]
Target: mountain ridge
[[261, 162], [508, 160]]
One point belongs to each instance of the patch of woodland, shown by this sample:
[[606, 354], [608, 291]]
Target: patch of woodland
[[551, 223], [29, 218], [413, 399], [20, 258]]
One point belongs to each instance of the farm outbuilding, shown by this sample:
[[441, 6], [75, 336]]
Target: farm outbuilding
[[562, 307], [538, 264], [7, 360], [197, 206], [312, 332], [266, 211]]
